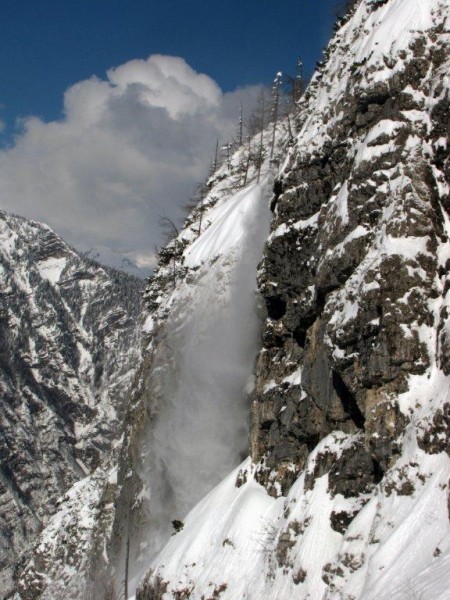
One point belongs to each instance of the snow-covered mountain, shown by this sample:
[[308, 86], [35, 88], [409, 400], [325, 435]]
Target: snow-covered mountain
[[345, 495], [69, 332], [319, 344], [118, 260]]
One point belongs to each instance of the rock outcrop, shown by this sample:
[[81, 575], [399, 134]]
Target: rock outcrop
[[355, 273]]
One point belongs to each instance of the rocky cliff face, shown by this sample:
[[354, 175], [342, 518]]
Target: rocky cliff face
[[69, 343], [346, 493], [355, 271]]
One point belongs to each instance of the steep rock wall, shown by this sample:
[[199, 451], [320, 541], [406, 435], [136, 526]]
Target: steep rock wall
[[355, 271]]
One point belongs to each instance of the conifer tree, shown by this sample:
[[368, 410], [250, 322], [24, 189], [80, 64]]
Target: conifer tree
[[215, 163], [241, 123], [275, 108], [261, 138]]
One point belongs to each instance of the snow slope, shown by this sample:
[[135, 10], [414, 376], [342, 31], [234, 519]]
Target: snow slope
[[202, 365], [248, 533]]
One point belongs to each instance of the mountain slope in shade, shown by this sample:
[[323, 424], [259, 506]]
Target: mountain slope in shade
[[69, 332], [345, 496]]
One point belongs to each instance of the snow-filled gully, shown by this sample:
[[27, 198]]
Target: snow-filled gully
[[200, 433]]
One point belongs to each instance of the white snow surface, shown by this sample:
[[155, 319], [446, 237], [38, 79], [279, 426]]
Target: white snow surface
[[231, 223], [52, 268], [200, 431], [395, 543]]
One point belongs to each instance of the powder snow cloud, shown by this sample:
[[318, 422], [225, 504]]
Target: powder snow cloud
[[128, 149]]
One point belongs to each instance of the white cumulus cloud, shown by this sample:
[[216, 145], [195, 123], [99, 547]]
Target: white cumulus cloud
[[128, 149]]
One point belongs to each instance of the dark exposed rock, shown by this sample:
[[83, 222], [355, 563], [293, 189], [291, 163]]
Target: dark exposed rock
[[299, 576], [354, 318], [436, 437], [354, 473], [341, 520]]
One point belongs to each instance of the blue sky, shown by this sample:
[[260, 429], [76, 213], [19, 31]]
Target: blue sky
[[47, 45], [111, 109]]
